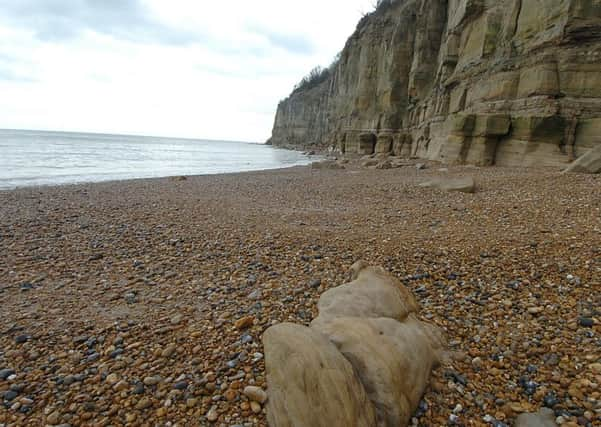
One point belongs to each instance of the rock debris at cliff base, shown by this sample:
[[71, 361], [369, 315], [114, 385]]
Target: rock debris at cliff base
[[143, 302], [504, 82]]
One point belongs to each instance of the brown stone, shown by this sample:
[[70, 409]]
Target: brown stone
[[244, 322]]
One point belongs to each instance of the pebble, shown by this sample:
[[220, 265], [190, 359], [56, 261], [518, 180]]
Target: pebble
[[10, 395], [169, 350], [150, 381], [5, 373], [255, 407], [138, 388], [535, 310], [144, 403], [212, 415], [112, 379], [177, 319], [586, 322], [244, 322], [181, 385], [255, 394], [53, 418], [550, 400], [21, 339]]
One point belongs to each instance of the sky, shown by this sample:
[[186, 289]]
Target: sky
[[180, 68]]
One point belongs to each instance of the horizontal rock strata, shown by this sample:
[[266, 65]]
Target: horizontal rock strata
[[507, 82]]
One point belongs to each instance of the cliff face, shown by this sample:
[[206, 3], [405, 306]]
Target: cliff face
[[506, 82]]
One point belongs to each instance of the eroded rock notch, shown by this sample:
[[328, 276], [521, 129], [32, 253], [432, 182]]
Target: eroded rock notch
[[507, 82]]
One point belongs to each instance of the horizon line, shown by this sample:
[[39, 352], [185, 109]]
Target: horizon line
[[130, 134]]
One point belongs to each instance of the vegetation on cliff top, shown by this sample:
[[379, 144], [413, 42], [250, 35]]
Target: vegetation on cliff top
[[320, 74]]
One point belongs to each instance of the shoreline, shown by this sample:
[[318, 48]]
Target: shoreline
[[121, 298], [168, 177]]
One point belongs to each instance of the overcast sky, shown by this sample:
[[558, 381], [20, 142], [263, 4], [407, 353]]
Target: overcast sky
[[188, 68]]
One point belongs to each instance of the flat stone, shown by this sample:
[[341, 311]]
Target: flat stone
[[586, 322], [180, 385], [256, 394], [144, 403], [152, 380], [544, 418]]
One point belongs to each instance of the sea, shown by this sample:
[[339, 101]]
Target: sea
[[34, 158]]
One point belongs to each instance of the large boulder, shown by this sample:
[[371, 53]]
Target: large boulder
[[326, 164], [392, 359], [372, 293], [311, 384], [587, 163], [368, 331], [462, 185], [544, 418]]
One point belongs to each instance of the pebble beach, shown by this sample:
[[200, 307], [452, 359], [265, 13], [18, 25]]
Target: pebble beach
[[143, 302]]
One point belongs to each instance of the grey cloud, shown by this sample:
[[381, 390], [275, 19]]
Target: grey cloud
[[293, 43], [61, 20]]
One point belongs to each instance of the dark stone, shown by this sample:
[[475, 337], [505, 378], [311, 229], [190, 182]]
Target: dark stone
[[21, 339], [10, 395], [93, 357], [5, 373], [79, 377], [89, 407], [181, 385], [315, 283], [91, 342], [116, 353], [139, 388], [26, 287], [18, 388], [586, 322], [528, 385], [421, 409], [514, 284], [457, 378], [550, 400]]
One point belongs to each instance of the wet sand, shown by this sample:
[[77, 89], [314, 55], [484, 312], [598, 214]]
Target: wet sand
[[119, 299]]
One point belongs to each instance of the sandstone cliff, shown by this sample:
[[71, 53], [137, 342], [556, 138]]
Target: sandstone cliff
[[506, 82]]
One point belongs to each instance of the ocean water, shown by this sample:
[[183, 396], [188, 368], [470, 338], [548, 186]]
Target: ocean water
[[31, 158]]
